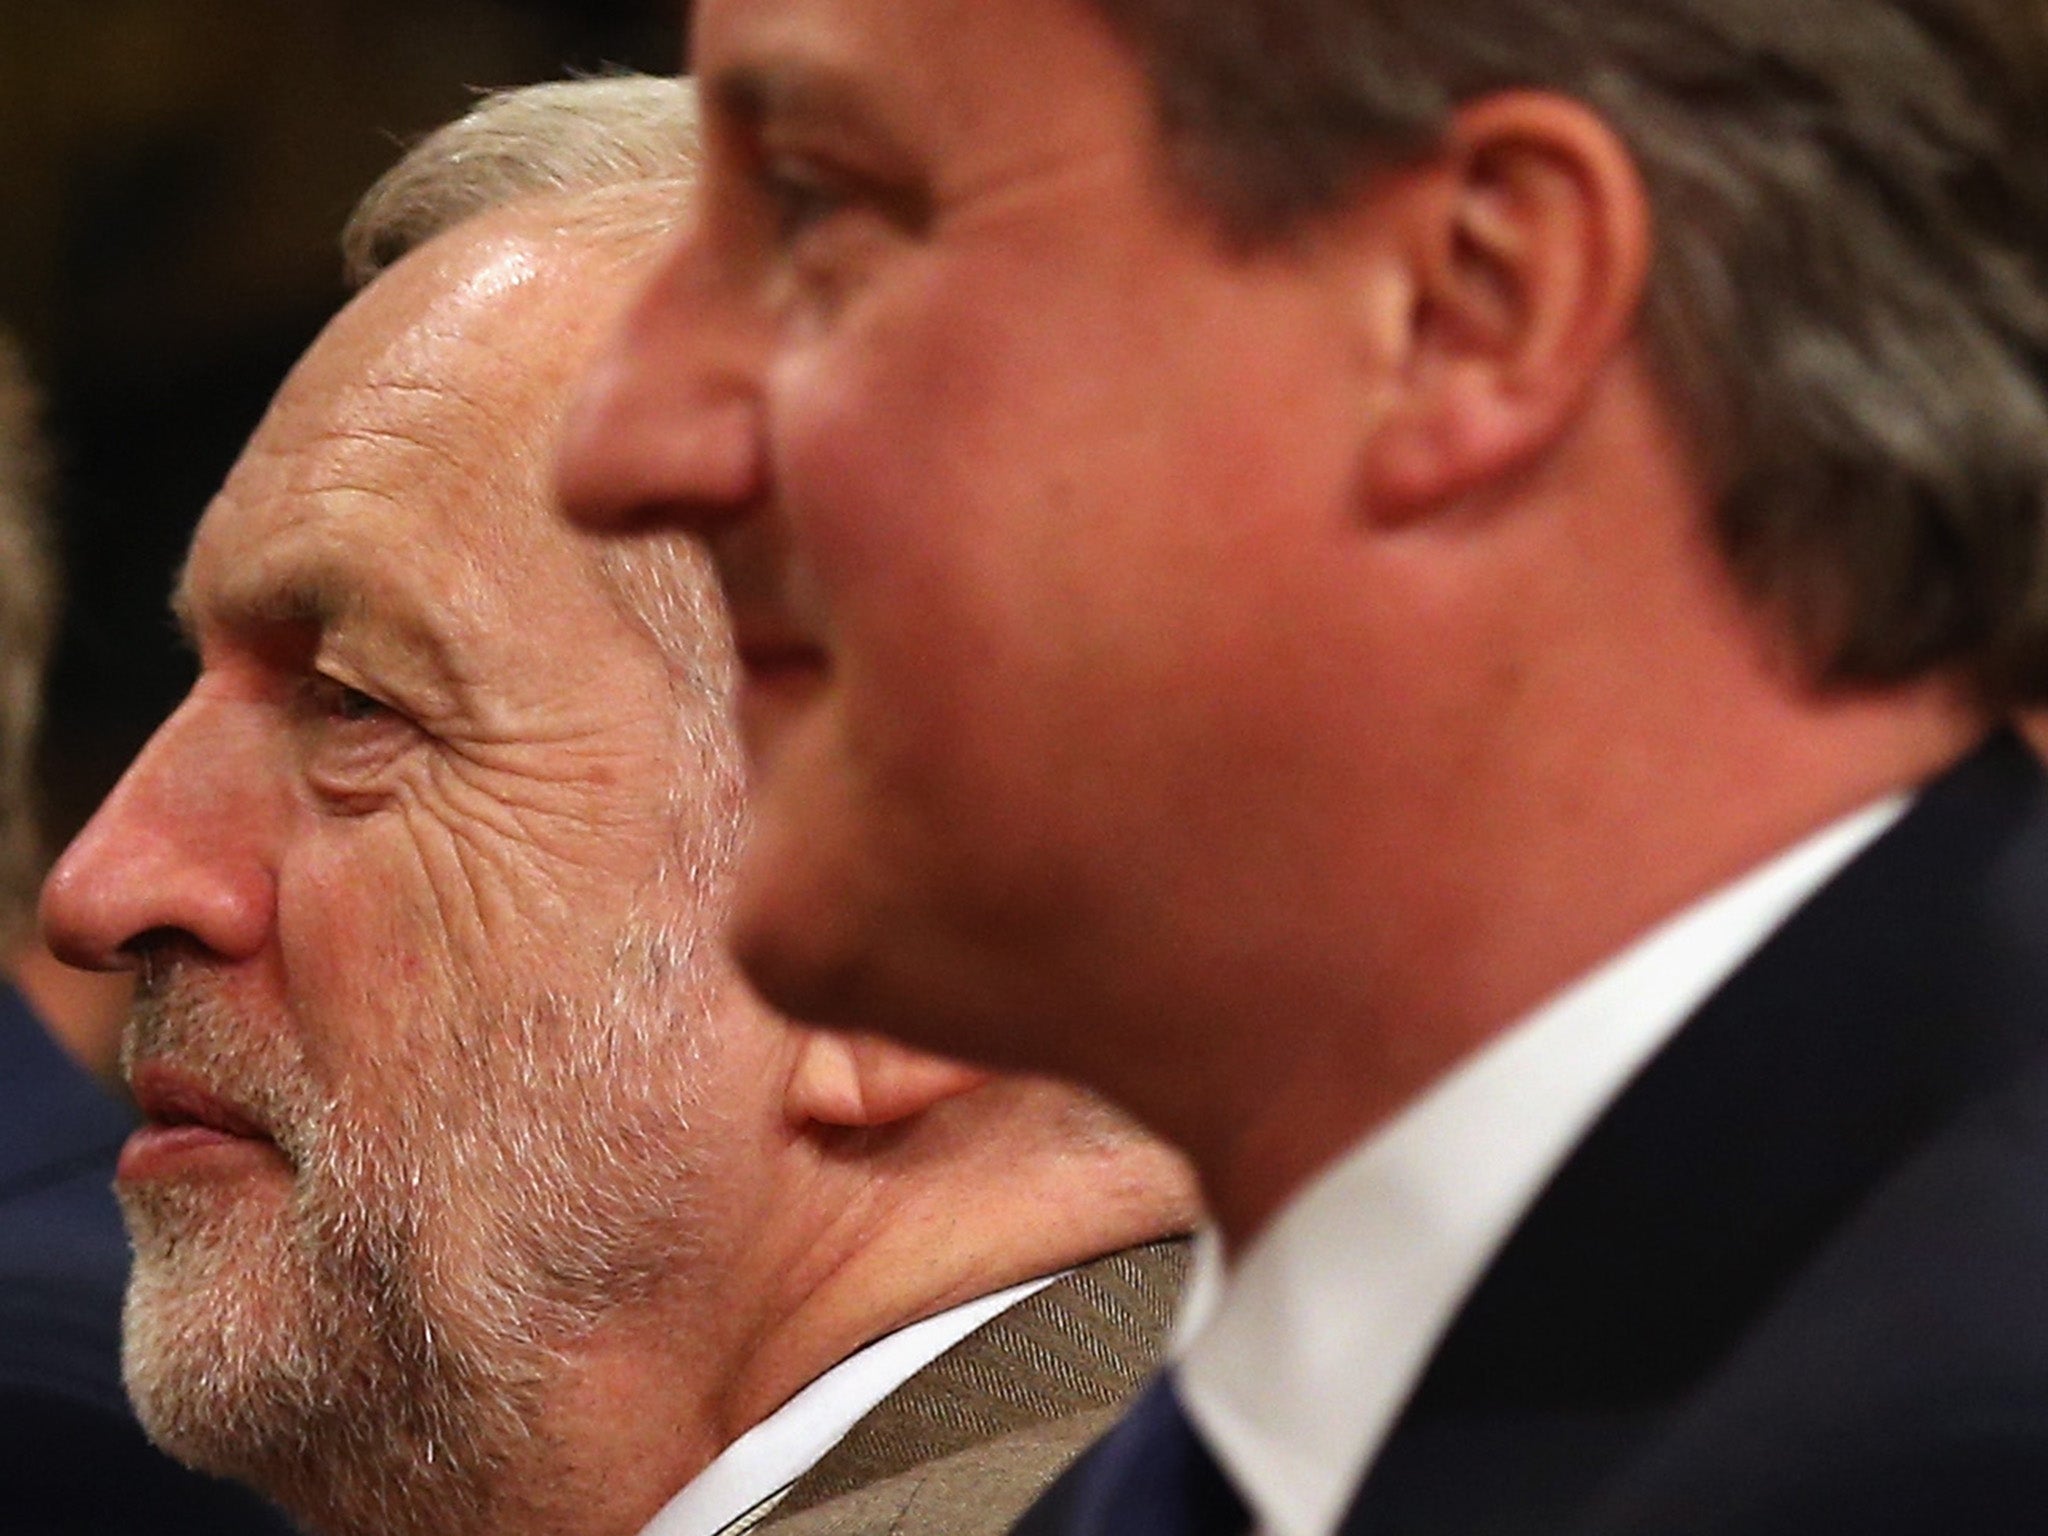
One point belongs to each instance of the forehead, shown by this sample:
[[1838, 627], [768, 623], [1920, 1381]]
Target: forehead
[[412, 441], [933, 67]]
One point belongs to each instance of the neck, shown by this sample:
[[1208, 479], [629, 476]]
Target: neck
[[1000, 1187], [1561, 719], [858, 1237], [1482, 943]]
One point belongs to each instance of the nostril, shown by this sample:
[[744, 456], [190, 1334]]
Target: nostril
[[98, 918], [147, 952], [183, 848]]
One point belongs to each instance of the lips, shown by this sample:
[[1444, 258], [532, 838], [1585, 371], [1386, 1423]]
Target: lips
[[188, 1127]]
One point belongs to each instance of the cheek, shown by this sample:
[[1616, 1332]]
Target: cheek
[[931, 460], [995, 499], [472, 879], [362, 945], [392, 919], [1049, 517], [1013, 434]]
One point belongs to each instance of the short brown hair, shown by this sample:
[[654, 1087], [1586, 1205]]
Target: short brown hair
[[1848, 302]]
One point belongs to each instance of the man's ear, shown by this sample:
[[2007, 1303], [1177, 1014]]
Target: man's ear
[[863, 1081], [1523, 243]]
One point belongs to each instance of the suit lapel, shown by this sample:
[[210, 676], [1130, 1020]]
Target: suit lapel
[[1886, 1004], [1082, 1343]]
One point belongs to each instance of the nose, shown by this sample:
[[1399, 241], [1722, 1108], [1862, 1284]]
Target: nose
[[180, 852], [666, 429]]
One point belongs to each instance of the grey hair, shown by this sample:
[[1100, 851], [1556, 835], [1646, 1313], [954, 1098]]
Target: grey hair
[[1848, 302], [616, 157], [28, 619], [575, 138]]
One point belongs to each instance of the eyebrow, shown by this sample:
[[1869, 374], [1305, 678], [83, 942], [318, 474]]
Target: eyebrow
[[802, 94], [751, 92], [320, 597], [803, 97], [313, 598]]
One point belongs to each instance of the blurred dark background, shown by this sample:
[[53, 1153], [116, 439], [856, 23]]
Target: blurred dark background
[[173, 175]]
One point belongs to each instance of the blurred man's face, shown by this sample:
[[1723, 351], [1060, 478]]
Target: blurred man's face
[[415, 877], [999, 452]]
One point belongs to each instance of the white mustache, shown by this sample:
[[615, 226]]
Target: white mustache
[[183, 1017]]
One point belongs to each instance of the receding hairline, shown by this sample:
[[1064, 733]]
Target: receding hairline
[[599, 151]]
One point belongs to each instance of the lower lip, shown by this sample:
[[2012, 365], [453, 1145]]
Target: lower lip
[[166, 1151]]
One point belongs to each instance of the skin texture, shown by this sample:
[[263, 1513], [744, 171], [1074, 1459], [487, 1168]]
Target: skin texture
[[397, 872], [1198, 670], [529, 1207], [915, 611]]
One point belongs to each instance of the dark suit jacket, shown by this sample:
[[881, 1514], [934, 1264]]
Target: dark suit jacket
[[966, 1444], [1796, 1279], [72, 1457]]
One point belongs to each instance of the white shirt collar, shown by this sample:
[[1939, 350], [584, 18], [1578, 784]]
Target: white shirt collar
[[1295, 1366], [758, 1468]]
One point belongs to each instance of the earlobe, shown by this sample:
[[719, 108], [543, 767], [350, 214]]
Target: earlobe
[[1526, 239], [862, 1081]]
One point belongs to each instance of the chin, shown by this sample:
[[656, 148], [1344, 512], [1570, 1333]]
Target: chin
[[216, 1324], [251, 1354]]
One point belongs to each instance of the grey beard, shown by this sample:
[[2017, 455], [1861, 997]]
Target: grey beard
[[375, 1352]]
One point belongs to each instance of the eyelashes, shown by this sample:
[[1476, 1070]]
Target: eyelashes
[[324, 698], [799, 195], [349, 740]]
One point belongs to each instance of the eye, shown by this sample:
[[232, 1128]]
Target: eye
[[803, 187], [333, 699], [350, 743], [800, 195], [827, 232]]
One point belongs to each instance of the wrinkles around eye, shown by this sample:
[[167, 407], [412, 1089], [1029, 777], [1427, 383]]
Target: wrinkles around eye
[[350, 739], [331, 699]]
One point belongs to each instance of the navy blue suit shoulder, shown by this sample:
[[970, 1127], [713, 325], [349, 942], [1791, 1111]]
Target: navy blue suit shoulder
[[1796, 1279], [73, 1460]]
